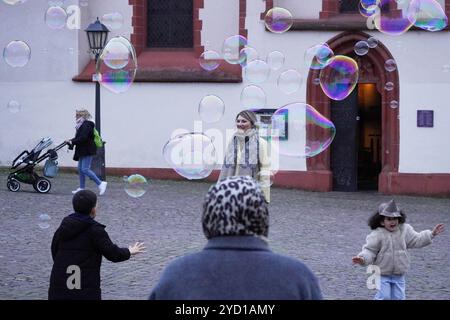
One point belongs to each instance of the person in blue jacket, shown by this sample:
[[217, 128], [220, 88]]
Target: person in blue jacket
[[236, 263]]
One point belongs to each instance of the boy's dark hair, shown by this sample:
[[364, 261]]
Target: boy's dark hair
[[83, 201], [375, 220]]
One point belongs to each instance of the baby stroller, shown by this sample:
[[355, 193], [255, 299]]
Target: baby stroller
[[23, 167]]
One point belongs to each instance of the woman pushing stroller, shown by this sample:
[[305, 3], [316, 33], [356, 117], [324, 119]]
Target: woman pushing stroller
[[85, 150]]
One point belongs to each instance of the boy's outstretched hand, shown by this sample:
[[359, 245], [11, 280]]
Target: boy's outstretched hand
[[439, 228], [138, 247], [358, 260]]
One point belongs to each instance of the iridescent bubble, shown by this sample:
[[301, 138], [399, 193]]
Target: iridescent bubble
[[318, 56], [278, 20], [427, 15], [209, 60], [84, 3], [368, 3], [290, 81], [265, 178], [368, 11], [361, 48], [14, 2], [231, 49], [275, 59], [389, 86], [393, 104], [44, 221], [257, 71], [191, 155], [17, 54], [372, 42], [247, 55], [13, 106], [113, 21], [309, 131], [339, 77], [253, 97], [117, 80], [446, 68], [135, 185], [55, 17], [316, 81], [115, 55], [390, 65], [211, 108], [394, 24]]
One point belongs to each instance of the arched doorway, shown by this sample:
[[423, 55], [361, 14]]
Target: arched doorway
[[372, 73]]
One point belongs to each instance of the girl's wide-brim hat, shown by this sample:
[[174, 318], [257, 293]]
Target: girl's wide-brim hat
[[389, 209]]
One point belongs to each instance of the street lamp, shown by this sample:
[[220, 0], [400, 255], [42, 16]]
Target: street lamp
[[97, 34]]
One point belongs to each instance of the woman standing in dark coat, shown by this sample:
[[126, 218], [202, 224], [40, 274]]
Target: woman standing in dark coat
[[85, 150], [77, 249]]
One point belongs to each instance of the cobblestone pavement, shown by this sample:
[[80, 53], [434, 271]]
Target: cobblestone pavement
[[322, 229]]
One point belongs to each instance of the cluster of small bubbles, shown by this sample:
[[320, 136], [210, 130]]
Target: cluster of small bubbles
[[17, 54], [135, 185], [275, 59], [209, 60], [361, 48], [253, 97], [211, 108], [289, 81], [278, 20]]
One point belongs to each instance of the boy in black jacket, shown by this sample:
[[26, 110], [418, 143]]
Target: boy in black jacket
[[77, 249]]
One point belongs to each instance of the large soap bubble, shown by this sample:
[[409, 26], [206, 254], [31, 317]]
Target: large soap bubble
[[310, 132], [191, 155], [339, 77]]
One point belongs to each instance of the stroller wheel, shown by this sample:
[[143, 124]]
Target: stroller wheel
[[42, 185], [13, 185]]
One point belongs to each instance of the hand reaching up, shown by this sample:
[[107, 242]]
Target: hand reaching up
[[439, 228], [358, 260], [138, 247]]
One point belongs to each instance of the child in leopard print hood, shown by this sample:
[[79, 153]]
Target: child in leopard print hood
[[386, 247]]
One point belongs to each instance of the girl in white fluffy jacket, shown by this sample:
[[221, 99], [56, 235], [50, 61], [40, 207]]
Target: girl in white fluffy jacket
[[386, 247]]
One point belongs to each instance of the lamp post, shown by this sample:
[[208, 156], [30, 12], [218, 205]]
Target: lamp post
[[97, 34]]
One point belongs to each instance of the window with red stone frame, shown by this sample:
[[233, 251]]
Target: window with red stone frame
[[331, 17], [177, 64], [173, 64]]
